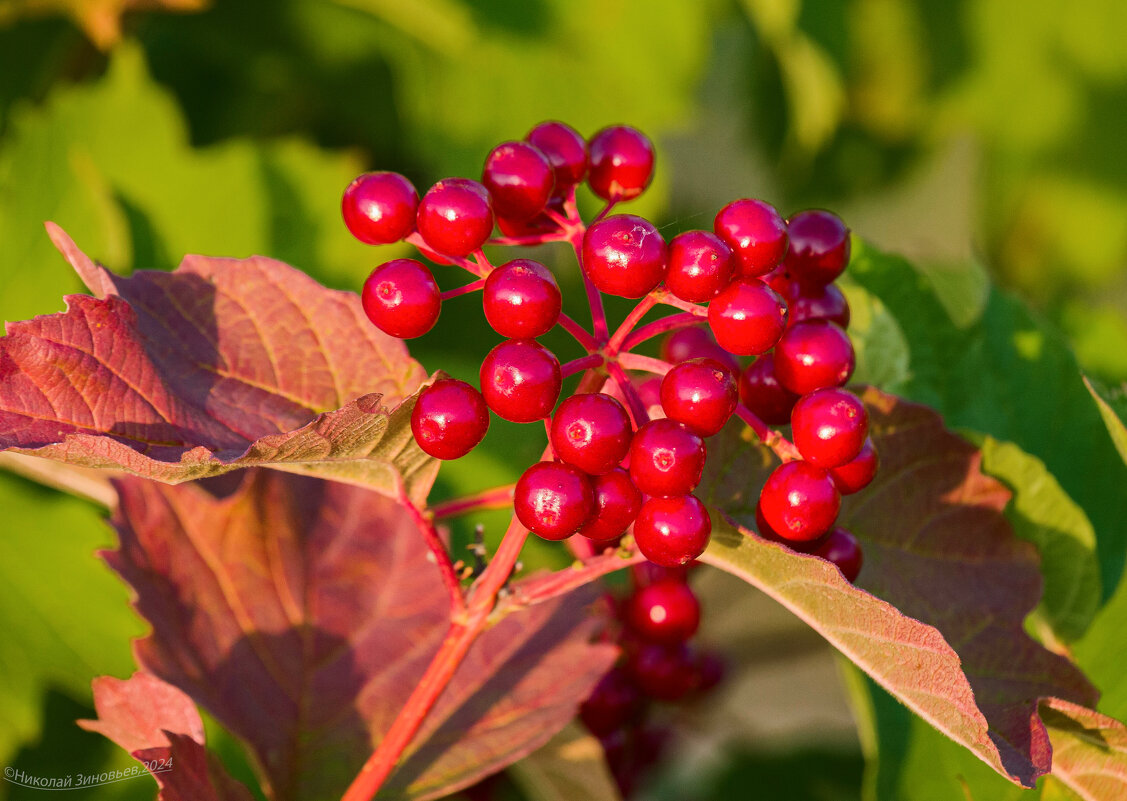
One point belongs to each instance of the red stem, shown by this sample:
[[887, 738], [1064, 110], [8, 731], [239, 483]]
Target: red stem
[[782, 446], [606, 210], [594, 298], [582, 363], [496, 498], [633, 403], [528, 241], [636, 361], [632, 319], [658, 327], [473, 286], [552, 585], [438, 258], [670, 299], [578, 332], [441, 555]]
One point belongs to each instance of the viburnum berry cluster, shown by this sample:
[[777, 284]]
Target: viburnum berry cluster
[[627, 450], [658, 618]]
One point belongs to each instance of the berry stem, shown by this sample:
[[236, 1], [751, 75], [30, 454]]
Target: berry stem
[[632, 319], [669, 299], [657, 328], [634, 403], [552, 585], [578, 332], [495, 498], [438, 258], [473, 286], [527, 241], [636, 361], [464, 630], [782, 446], [576, 230], [580, 364], [441, 555], [605, 211]]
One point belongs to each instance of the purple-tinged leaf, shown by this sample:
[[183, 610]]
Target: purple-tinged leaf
[[221, 364], [161, 727], [937, 614], [301, 613], [1089, 750]]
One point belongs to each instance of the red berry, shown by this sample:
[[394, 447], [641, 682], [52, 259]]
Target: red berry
[[455, 217], [591, 432], [617, 502], [664, 672], [813, 355], [521, 299], [700, 265], [672, 531], [692, 343], [519, 179], [855, 475], [553, 500], [449, 419], [829, 427], [621, 163], [819, 246], [748, 317], [665, 612], [756, 234], [666, 458], [768, 533], [701, 393], [401, 298], [648, 573], [763, 395], [379, 207], [799, 501], [520, 380], [566, 151], [843, 549], [613, 702], [818, 302], [624, 255]]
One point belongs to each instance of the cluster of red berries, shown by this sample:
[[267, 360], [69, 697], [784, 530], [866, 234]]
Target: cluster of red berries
[[768, 286], [659, 618]]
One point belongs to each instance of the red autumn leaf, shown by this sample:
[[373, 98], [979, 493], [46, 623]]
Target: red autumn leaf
[[1089, 750], [301, 613], [160, 726], [221, 364], [936, 617]]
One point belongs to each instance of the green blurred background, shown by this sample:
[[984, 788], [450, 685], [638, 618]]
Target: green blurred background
[[978, 137]]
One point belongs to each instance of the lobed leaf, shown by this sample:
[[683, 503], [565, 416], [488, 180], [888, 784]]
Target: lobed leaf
[[160, 726], [301, 613], [222, 364], [937, 615]]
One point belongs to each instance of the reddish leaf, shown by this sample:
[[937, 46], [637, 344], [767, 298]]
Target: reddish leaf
[[950, 587], [301, 613], [1089, 750], [224, 363], [160, 726]]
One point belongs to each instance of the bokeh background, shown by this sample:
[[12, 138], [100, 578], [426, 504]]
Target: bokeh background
[[984, 139]]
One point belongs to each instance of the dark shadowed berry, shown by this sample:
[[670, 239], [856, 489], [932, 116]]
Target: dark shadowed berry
[[843, 549], [613, 703], [819, 246], [617, 502], [695, 342], [763, 395], [665, 612], [855, 475], [566, 151]]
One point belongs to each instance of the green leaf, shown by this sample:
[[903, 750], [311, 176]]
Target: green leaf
[[66, 618], [1009, 376], [570, 766], [882, 351], [1042, 513], [1113, 410]]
